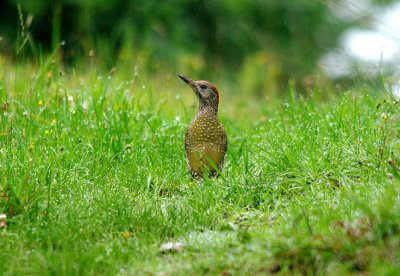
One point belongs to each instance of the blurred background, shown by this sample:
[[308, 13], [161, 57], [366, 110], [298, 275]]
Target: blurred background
[[260, 44]]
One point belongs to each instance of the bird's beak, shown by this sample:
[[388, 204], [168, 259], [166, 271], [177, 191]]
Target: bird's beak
[[187, 80]]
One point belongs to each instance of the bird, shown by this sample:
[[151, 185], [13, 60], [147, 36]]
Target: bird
[[206, 140]]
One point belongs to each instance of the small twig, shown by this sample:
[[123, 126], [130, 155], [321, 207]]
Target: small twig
[[32, 196], [390, 96]]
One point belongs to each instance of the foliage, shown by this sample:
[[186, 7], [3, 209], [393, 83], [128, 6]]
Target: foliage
[[285, 37]]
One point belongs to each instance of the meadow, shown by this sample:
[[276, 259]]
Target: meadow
[[94, 178]]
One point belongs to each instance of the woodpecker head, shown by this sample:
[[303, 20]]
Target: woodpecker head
[[206, 93]]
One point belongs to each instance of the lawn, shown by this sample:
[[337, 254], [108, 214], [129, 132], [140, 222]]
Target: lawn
[[94, 178]]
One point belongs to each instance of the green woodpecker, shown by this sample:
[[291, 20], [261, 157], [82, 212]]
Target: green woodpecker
[[205, 141]]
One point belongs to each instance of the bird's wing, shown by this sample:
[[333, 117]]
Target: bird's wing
[[187, 137]]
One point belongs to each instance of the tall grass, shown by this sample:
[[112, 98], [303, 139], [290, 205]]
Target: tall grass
[[94, 178]]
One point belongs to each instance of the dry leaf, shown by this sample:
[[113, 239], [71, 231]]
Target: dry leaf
[[3, 218], [171, 247]]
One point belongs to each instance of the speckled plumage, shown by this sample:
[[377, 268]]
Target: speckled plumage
[[205, 138]]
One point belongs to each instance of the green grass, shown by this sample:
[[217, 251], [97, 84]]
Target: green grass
[[94, 179]]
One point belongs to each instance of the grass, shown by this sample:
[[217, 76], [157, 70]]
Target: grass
[[94, 179]]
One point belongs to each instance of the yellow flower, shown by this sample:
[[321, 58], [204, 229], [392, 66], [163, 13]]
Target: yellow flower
[[126, 234], [46, 131], [73, 112], [30, 147], [54, 121], [40, 102]]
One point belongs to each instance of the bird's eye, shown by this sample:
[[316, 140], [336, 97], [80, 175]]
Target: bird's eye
[[203, 86]]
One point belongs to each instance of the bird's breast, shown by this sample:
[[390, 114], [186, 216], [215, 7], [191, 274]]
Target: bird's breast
[[205, 141], [206, 128]]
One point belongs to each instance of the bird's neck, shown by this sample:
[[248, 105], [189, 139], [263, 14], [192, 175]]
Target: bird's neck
[[207, 108]]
